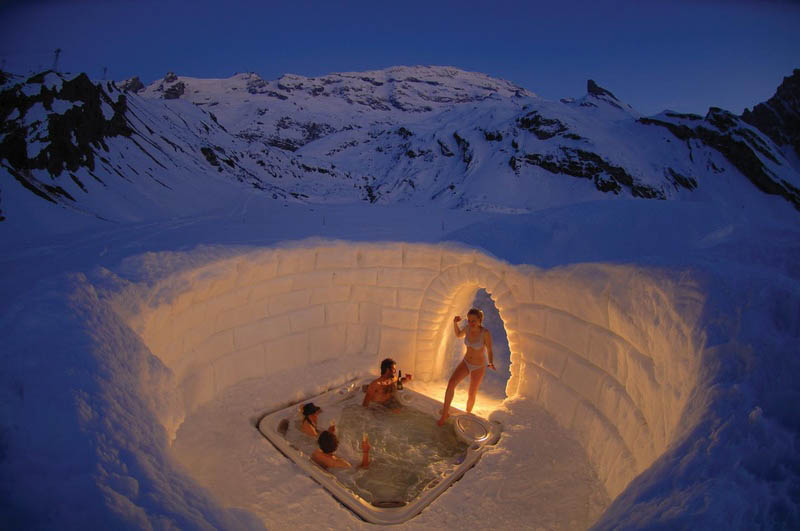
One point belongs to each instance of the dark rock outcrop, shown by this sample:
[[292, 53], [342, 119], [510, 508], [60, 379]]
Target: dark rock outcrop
[[726, 133], [599, 92], [540, 126], [464, 147], [284, 143], [212, 158], [596, 90], [779, 116], [446, 151], [256, 85], [678, 180], [587, 165], [175, 91], [297, 134], [133, 84], [493, 136], [71, 138]]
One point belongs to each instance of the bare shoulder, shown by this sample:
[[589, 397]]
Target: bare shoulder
[[487, 334], [373, 386], [318, 457]]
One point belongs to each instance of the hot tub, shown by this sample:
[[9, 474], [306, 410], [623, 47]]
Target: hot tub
[[412, 459]]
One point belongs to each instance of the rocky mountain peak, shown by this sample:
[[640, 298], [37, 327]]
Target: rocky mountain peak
[[779, 116], [133, 84], [596, 94], [52, 125], [596, 90]]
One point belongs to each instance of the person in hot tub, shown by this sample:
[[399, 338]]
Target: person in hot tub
[[382, 389], [325, 457], [310, 418]]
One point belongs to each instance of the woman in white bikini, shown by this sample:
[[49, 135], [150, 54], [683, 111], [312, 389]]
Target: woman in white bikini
[[477, 339]]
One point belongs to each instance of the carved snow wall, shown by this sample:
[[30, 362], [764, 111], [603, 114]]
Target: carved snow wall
[[611, 351]]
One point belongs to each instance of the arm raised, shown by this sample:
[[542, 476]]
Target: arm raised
[[458, 331]]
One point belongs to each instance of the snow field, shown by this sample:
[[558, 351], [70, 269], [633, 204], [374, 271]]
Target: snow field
[[85, 402], [611, 351]]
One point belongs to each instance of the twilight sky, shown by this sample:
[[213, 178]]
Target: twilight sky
[[653, 54]]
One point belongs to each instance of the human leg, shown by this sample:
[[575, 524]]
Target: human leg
[[475, 378], [459, 374]]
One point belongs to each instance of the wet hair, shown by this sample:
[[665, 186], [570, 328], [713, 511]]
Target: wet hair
[[310, 409], [477, 313], [328, 442], [386, 365]]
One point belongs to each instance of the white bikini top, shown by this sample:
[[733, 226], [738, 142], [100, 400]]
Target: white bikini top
[[478, 345]]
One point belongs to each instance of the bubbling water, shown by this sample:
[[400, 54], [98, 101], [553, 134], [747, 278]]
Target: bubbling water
[[408, 450]]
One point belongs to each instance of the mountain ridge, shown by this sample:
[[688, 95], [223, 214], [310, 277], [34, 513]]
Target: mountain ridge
[[779, 116], [424, 135]]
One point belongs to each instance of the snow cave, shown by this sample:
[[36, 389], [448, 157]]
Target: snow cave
[[610, 351]]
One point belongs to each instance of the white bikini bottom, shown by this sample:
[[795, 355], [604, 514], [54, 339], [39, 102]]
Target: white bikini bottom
[[472, 367]]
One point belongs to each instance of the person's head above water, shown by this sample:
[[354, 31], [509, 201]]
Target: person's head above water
[[387, 365], [309, 409], [328, 442], [476, 315]]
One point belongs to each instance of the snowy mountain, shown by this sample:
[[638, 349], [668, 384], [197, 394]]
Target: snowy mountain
[[182, 258], [416, 135], [91, 148]]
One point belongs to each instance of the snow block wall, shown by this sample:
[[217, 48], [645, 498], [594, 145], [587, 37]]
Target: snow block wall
[[610, 351]]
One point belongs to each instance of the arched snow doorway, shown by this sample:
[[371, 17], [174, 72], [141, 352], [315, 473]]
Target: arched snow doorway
[[494, 382], [452, 293], [493, 387]]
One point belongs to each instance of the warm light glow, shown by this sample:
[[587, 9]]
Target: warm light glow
[[485, 403]]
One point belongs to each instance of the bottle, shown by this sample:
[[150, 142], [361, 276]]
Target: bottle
[[399, 380]]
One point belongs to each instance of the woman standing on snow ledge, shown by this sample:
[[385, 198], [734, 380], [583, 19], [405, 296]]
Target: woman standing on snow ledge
[[477, 339]]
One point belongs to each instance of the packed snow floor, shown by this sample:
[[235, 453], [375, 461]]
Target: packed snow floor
[[537, 477]]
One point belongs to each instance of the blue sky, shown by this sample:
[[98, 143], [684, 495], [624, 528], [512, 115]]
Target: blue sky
[[685, 56]]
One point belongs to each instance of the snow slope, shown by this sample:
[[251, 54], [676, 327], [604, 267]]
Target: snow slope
[[83, 396], [121, 409]]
